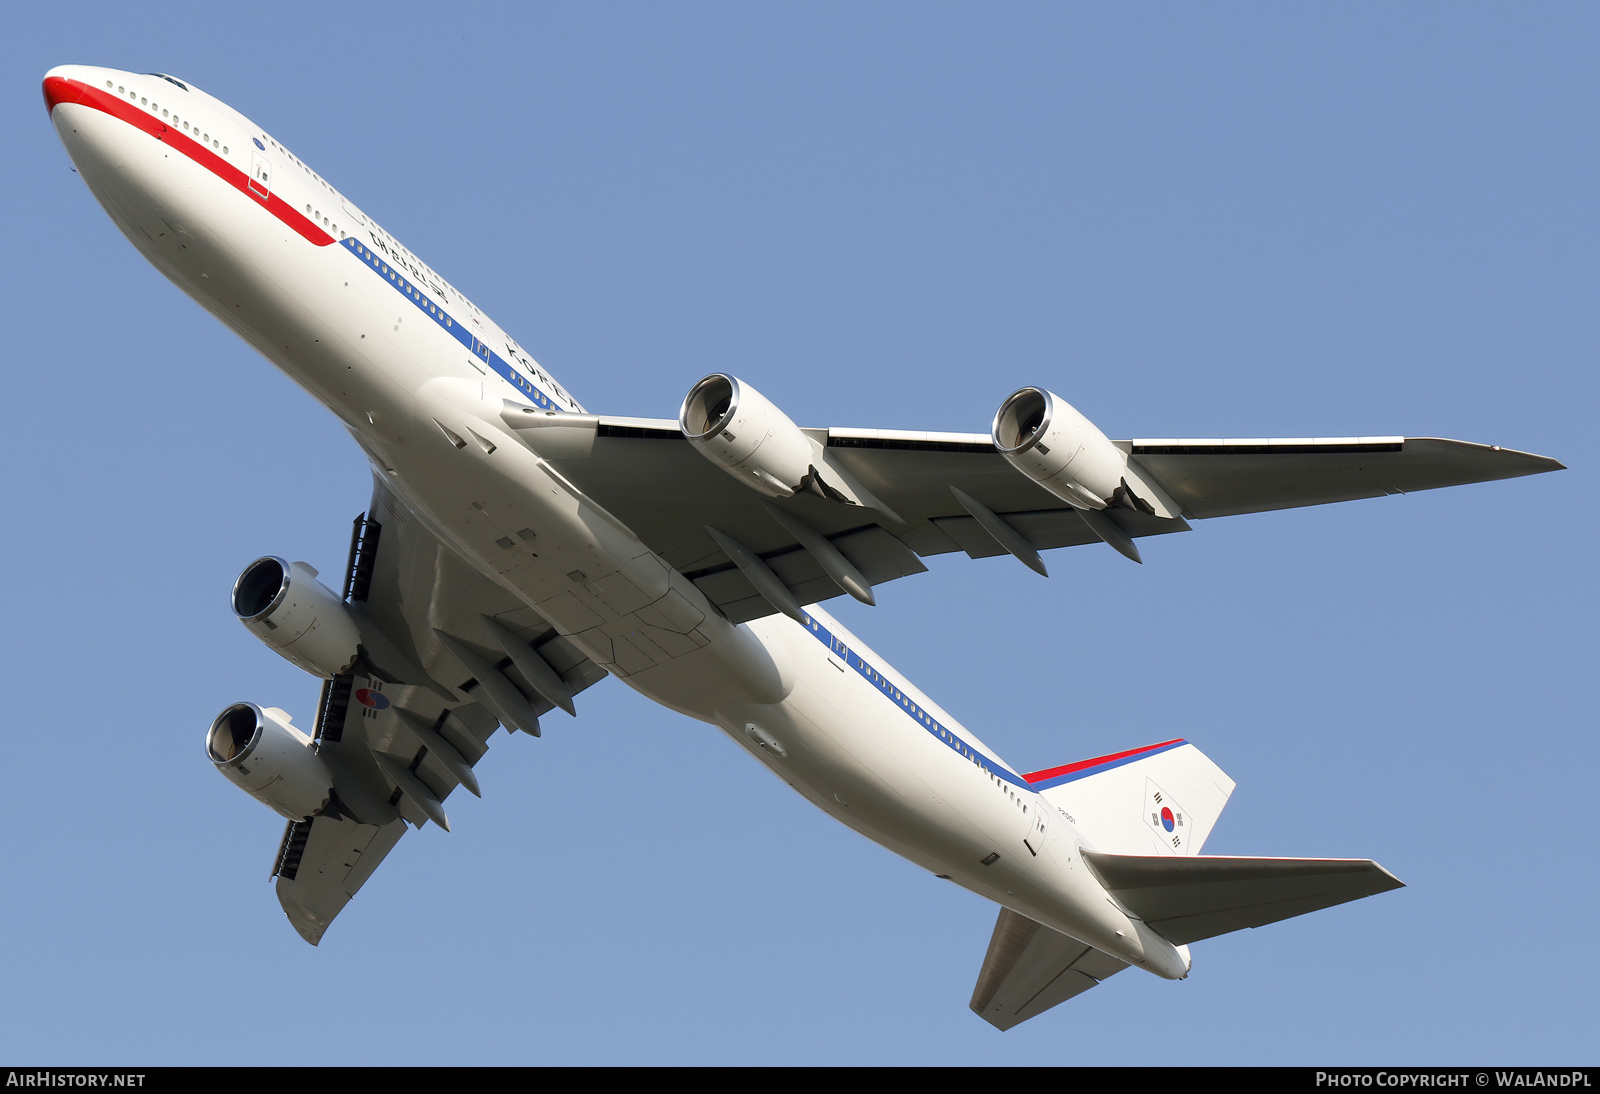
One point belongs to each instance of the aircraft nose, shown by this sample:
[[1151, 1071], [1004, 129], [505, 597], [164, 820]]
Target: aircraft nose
[[59, 89]]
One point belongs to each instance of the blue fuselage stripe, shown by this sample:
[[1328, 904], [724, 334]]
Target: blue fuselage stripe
[[450, 325], [909, 707]]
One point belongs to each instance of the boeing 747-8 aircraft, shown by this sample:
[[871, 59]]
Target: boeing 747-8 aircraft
[[518, 548]]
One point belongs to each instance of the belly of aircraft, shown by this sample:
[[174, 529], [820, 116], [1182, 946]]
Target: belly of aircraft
[[408, 396]]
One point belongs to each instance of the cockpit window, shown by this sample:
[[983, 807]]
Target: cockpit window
[[169, 79]]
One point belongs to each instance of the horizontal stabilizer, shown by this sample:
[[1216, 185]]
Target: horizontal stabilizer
[[1190, 898], [1030, 968]]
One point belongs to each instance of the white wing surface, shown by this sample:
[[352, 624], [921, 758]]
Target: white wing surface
[[448, 656], [647, 475], [1219, 478]]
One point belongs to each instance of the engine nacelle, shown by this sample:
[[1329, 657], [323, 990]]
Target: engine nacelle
[[1046, 439], [285, 606], [258, 751], [735, 427]]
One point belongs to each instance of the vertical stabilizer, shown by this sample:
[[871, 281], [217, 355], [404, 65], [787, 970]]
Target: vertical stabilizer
[[1161, 799]]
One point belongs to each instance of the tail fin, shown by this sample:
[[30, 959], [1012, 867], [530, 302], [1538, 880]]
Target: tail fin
[[1161, 799]]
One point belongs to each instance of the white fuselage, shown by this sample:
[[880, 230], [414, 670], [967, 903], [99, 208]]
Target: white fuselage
[[419, 376]]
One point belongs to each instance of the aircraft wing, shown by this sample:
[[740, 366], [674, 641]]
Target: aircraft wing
[[1220, 478], [1030, 968], [412, 719], [646, 474]]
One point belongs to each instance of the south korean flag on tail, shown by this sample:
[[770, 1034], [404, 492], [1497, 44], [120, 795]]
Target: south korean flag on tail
[[1167, 821]]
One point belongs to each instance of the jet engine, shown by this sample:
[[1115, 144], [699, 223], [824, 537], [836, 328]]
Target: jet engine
[[1046, 439], [284, 605], [735, 427], [258, 751]]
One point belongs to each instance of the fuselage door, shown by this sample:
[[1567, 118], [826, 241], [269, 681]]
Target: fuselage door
[[260, 176], [1036, 833]]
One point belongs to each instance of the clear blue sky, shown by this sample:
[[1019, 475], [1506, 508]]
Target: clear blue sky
[[1189, 221]]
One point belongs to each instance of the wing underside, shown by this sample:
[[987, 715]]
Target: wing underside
[[650, 478], [412, 719], [451, 655]]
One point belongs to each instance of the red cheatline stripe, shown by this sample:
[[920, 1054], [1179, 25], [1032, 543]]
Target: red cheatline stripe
[[1056, 772], [58, 89]]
